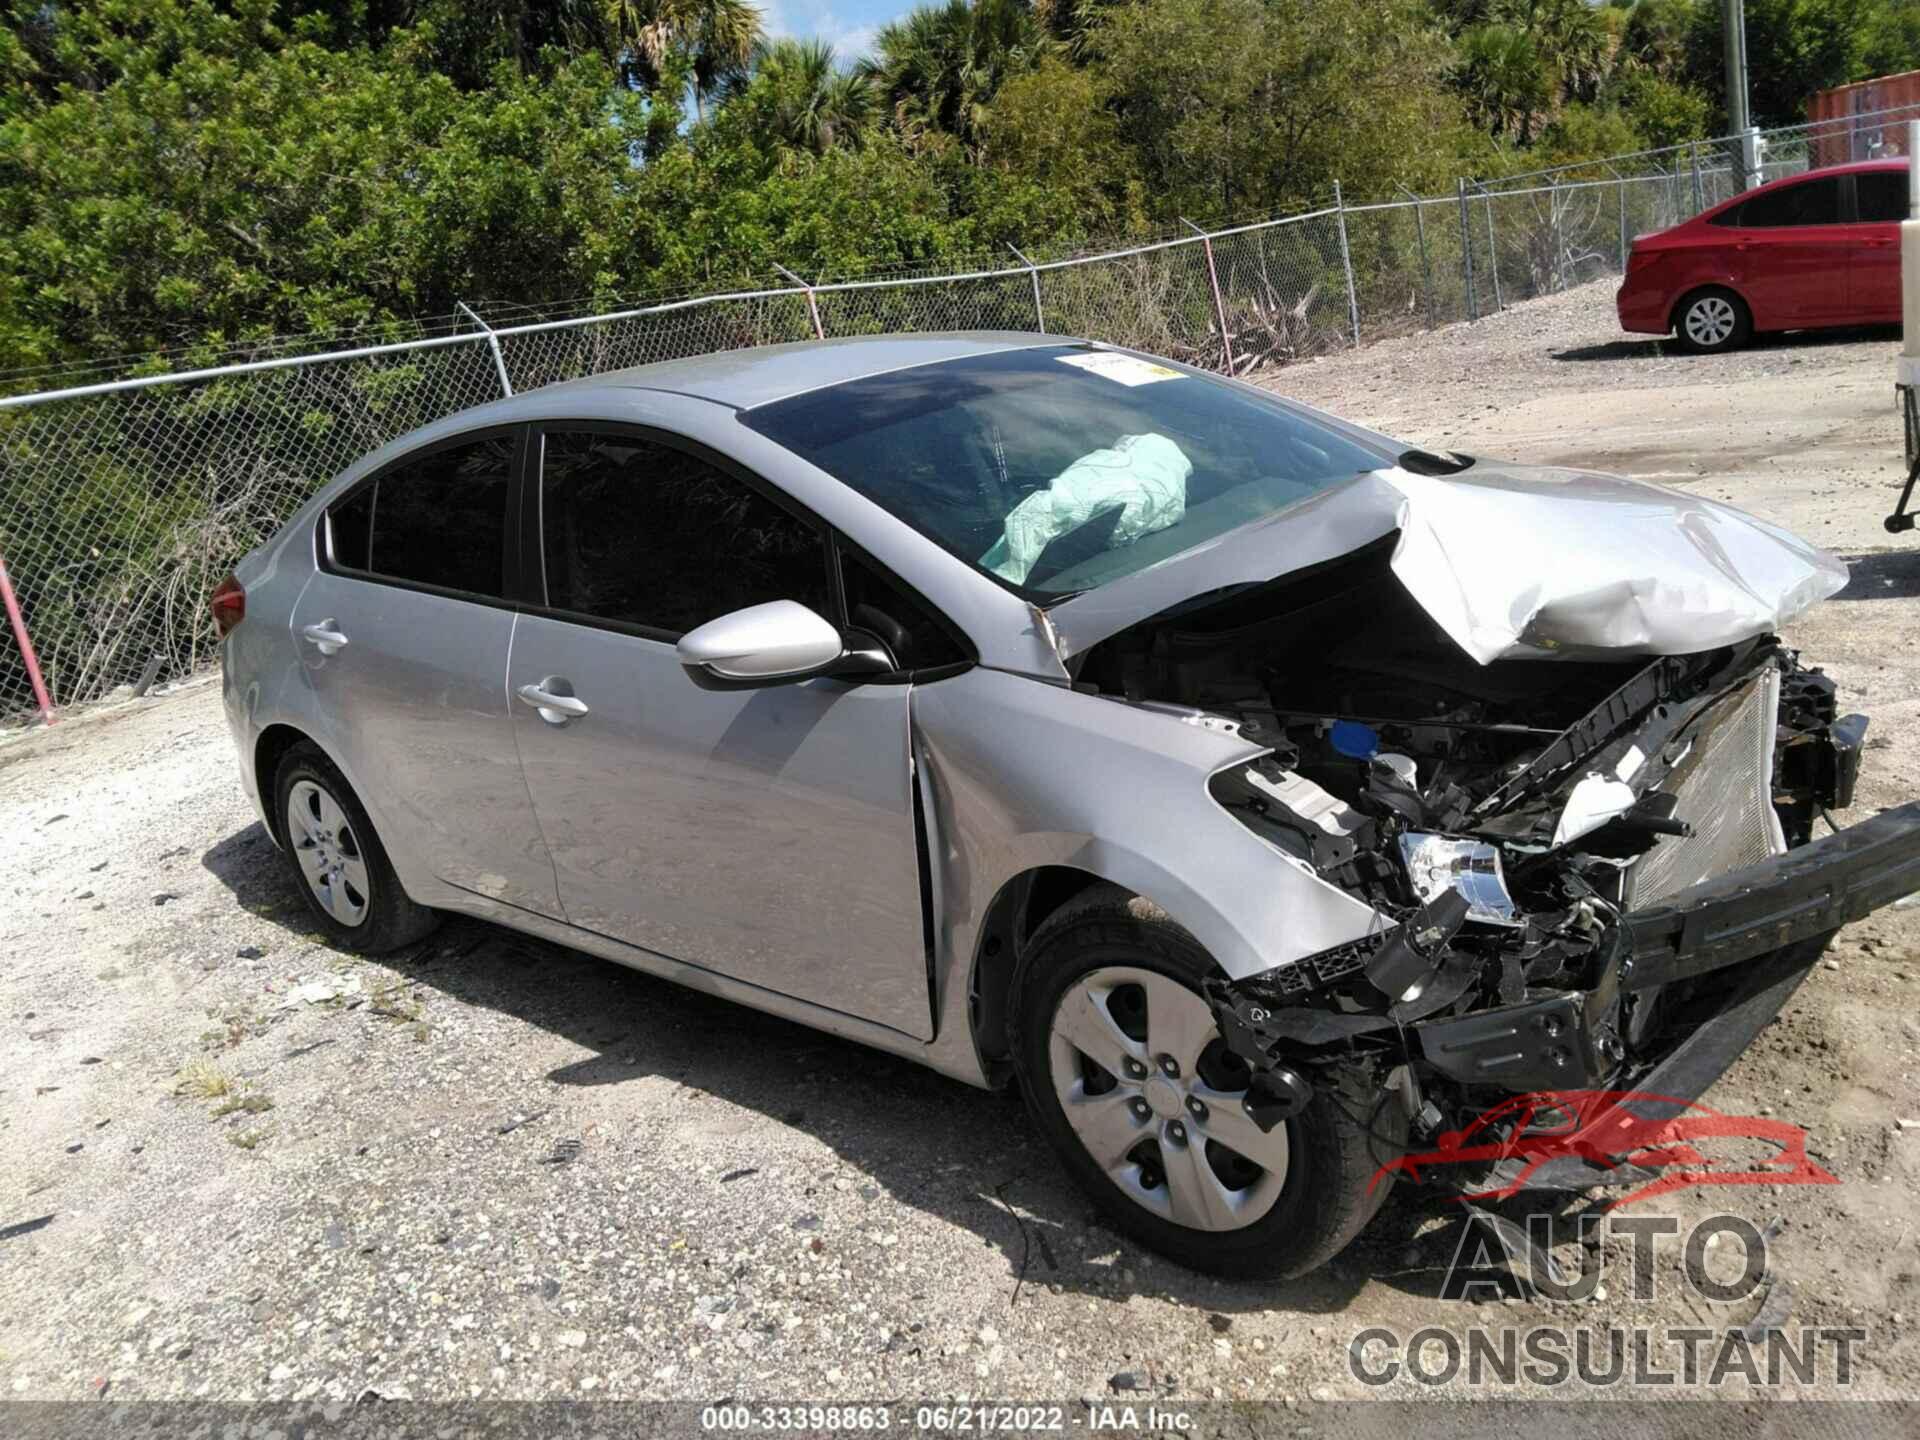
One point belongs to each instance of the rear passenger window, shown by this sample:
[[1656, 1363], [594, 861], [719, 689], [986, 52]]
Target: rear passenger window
[[644, 534], [1882, 195], [1813, 202], [440, 520]]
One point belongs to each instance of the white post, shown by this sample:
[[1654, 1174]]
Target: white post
[[493, 342], [813, 309], [1910, 264], [1346, 263], [1033, 273]]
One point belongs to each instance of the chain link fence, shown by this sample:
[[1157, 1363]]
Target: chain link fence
[[123, 502]]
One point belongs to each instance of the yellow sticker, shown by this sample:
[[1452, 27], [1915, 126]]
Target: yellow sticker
[[1125, 369]]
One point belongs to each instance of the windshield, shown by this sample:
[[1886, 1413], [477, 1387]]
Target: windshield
[[1062, 467]]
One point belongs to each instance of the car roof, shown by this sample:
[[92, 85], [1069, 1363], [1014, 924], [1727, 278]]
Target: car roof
[[758, 376]]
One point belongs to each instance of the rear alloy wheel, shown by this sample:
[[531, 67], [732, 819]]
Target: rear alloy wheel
[[343, 870], [1125, 1073], [1713, 320]]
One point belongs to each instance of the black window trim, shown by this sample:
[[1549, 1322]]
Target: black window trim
[[531, 595], [509, 568], [1853, 192], [1734, 216], [533, 560], [843, 550]]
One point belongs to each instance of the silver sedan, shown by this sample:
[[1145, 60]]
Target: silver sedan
[[1265, 797]]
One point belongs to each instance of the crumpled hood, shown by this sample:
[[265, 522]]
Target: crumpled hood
[[1512, 562]]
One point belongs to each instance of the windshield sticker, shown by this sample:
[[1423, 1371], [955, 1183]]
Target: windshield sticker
[[1126, 369]]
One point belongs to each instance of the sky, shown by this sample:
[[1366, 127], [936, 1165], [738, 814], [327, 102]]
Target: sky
[[847, 25]]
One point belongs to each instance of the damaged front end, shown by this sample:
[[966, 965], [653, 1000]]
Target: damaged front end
[[1568, 857]]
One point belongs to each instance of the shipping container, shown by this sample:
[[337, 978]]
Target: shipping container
[[1853, 120]]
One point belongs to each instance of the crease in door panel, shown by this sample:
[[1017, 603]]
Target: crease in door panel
[[513, 728]]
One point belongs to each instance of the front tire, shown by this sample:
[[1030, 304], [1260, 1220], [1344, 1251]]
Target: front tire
[[338, 861], [1712, 320], [1125, 1073]]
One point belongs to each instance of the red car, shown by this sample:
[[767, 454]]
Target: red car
[[1813, 250]]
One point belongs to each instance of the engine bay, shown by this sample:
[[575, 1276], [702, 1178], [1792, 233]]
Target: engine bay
[[1496, 817]]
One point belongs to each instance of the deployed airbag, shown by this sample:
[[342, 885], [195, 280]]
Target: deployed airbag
[[1145, 475]]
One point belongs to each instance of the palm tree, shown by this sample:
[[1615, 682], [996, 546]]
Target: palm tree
[[1503, 77], [941, 66], [1572, 33], [715, 38], [799, 94]]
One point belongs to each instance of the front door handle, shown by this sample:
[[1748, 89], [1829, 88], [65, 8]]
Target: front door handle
[[553, 708], [323, 635]]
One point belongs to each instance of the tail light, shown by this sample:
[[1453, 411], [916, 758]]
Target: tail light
[[229, 606]]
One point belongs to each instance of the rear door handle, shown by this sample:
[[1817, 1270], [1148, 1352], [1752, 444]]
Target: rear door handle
[[322, 635], [553, 708]]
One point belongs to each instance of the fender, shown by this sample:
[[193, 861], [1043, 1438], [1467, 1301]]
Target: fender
[[1022, 774]]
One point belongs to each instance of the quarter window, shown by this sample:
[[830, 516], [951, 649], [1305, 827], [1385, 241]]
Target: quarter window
[[641, 533], [439, 520], [1812, 202], [1882, 195]]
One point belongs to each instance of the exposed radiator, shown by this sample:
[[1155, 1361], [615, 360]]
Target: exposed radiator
[[1725, 790]]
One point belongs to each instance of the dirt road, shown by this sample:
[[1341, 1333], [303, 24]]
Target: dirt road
[[239, 1164]]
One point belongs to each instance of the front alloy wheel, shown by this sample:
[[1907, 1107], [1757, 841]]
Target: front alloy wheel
[[1154, 1095], [1125, 1074]]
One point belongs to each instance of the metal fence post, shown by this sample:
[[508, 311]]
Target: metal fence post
[[1346, 264], [1493, 254], [1213, 279], [27, 657], [493, 343], [1426, 260], [1033, 273], [1620, 189], [1699, 196], [1466, 249], [819, 332]]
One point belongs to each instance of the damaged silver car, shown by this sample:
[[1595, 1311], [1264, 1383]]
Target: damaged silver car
[[1263, 796]]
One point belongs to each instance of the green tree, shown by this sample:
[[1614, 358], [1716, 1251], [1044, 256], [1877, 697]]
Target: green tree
[[715, 40], [1236, 106], [1052, 127], [1795, 48], [1891, 45], [939, 69], [1504, 77], [797, 94], [1664, 111]]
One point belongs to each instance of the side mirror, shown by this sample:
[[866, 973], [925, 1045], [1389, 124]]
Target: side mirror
[[778, 643]]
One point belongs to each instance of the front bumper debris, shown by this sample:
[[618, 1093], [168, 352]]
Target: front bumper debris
[[1768, 919]]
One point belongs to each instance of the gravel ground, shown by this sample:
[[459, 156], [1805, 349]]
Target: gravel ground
[[241, 1165]]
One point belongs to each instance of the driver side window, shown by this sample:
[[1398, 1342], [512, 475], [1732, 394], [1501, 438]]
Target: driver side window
[[642, 534]]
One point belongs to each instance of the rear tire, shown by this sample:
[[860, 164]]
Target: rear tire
[[1289, 1206], [1712, 320], [337, 858]]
